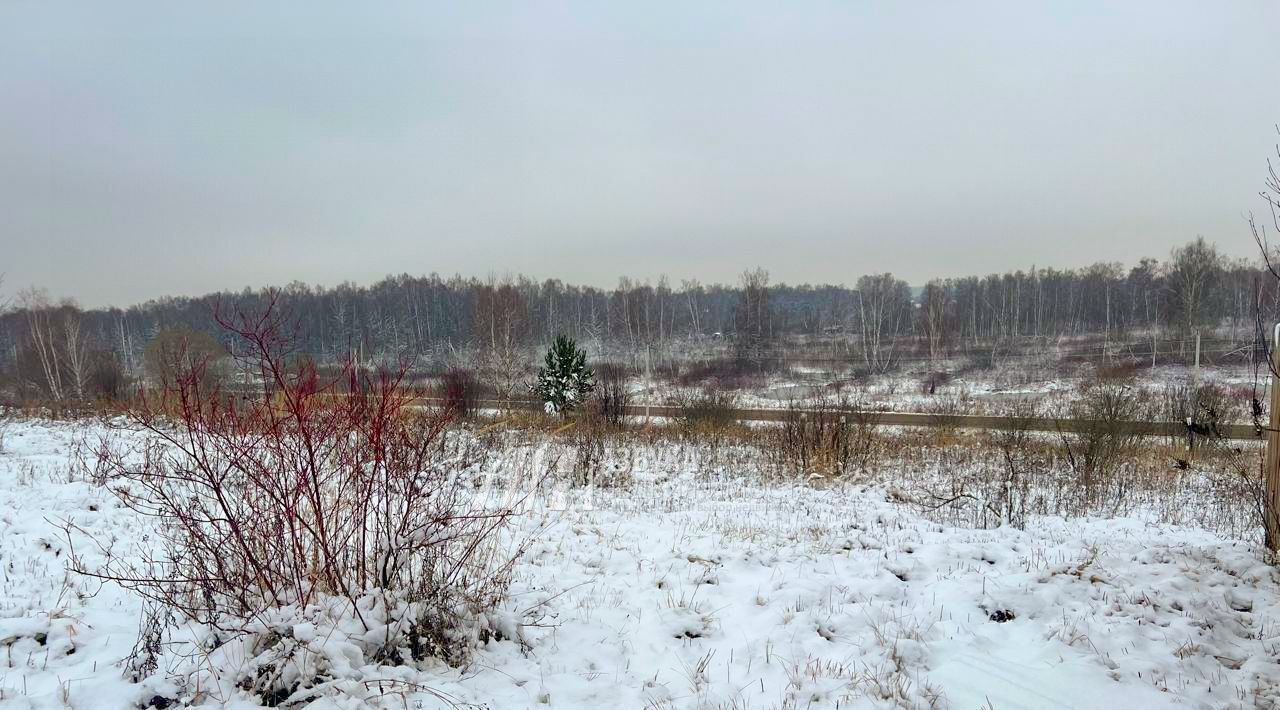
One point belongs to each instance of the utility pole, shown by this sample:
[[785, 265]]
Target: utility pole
[[1271, 471]]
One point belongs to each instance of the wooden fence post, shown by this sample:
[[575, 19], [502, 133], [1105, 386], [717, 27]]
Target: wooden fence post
[[1271, 469]]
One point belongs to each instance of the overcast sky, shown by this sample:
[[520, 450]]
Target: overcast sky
[[181, 148]]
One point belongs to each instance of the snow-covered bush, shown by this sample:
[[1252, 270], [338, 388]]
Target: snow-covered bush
[[564, 380], [330, 499]]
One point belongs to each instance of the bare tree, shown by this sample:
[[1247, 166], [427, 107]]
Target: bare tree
[[175, 350], [753, 318], [933, 314], [1194, 270], [883, 307], [1269, 506], [75, 350], [43, 339], [501, 333], [693, 297]]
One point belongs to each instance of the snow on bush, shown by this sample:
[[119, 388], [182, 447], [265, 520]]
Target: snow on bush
[[318, 504]]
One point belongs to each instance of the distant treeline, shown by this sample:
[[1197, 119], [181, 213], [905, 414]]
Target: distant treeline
[[446, 322]]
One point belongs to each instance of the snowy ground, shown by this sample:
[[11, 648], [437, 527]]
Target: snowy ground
[[968, 391], [698, 591]]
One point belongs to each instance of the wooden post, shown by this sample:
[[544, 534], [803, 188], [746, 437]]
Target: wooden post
[[1271, 466]]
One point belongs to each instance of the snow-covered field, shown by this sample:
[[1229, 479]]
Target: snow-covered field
[[704, 590], [968, 392]]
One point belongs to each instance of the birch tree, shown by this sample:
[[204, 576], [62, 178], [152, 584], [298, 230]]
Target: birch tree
[[884, 303]]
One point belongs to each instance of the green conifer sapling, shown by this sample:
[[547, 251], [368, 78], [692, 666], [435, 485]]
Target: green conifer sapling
[[564, 381]]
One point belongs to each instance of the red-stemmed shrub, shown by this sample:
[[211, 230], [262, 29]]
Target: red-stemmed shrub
[[310, 498]]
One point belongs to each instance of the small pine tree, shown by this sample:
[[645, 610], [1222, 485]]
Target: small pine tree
[[564, 381]]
